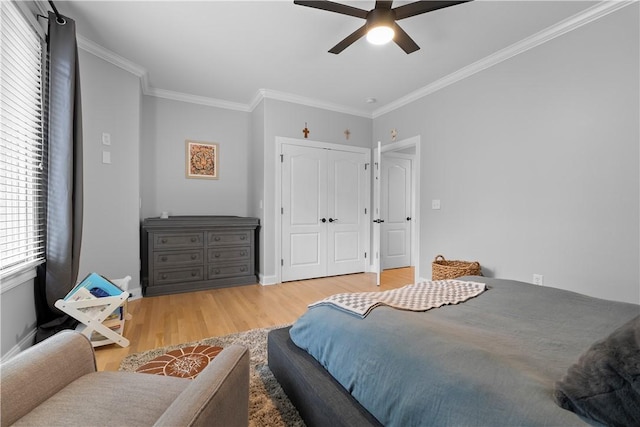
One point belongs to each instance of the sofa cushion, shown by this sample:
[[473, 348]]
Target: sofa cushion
[[108, 398]]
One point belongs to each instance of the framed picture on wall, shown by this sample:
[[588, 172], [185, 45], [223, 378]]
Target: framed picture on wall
[[202, 159]]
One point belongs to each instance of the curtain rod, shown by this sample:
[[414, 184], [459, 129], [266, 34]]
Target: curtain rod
[[59, 17]]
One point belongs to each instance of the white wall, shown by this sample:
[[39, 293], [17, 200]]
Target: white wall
[[256, 178], [166, 125], [111, 104], [536, 163], [17, 318]]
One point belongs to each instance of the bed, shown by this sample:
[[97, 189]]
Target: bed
[[517, 354]]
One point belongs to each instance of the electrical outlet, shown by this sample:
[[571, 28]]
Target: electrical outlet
[[538, 279]]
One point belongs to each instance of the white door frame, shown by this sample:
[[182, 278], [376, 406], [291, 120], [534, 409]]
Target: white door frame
[[277, 226], [415, 198]]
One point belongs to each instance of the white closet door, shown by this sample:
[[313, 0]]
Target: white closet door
[[396, 212], [323, 214], [304, 206], [346, 222]]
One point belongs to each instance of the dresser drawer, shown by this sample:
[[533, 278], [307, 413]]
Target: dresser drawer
[[217, 272], [178, 275], [220, 238], [177, 240], [178, 258], [241, 253]]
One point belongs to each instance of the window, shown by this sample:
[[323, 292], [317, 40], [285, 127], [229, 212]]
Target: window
[[22, 156]]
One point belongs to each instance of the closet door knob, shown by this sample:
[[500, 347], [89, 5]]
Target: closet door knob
[[323, 219], [333, 219]]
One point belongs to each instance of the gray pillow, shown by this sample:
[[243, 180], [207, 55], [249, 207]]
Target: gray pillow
[[604, 385]]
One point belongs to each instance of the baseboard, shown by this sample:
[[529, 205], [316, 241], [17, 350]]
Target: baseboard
[[267, 280], [23, 344], [136, 293]]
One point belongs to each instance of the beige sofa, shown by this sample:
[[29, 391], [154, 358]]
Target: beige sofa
[[55, 383]]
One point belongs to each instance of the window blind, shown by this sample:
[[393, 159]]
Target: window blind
[[22, 155]]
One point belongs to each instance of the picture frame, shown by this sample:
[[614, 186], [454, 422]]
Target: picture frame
[[201, 159]]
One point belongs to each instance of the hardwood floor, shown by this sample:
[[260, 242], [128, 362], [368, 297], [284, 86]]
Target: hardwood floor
[[175, 319]]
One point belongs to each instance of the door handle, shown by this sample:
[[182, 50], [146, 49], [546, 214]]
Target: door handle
[[323, 219], [408, 218], [378, 220], [333, 220]]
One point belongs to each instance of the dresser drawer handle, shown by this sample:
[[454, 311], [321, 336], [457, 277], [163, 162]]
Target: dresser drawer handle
[[243, 237], [194, 256], [193, 239], [163, 259], [164, 276], [194, 273], [243, 269], [217, 255], [217, 238], [163, 240], [243, 253], [217, 271]]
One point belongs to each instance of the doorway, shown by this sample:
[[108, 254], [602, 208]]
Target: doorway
[[397, 206]]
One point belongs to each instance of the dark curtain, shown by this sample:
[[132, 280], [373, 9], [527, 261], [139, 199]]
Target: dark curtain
[[64, 195]]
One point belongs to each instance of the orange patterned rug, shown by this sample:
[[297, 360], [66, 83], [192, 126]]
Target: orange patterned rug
[[186, 362]]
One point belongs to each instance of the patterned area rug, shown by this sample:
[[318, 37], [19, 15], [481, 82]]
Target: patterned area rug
[[268, 404], [185, 362]]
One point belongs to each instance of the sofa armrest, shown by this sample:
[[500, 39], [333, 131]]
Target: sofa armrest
[[219, 396], [39, 372]]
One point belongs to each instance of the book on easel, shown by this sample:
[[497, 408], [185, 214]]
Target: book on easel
[[98, 304]]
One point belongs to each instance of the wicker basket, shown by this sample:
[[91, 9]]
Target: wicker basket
[[442, 269]]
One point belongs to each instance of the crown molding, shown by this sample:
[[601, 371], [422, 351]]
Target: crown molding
[[595, 12], [196, 99], [598, 11], [115, 59], [309, 102]]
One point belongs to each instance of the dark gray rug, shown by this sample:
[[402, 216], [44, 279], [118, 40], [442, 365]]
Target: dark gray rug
[[268, 404]]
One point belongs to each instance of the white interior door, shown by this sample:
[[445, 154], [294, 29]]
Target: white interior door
[[396, 212], [346, 225], [304, 207], [324, 221]]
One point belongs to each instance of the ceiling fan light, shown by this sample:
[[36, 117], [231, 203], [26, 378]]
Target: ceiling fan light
[[380, 35]]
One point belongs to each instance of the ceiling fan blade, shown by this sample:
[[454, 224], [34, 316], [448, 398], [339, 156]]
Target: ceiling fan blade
[[334, 7], [403, 40], [420, 7], [383, 4], [350, 39]]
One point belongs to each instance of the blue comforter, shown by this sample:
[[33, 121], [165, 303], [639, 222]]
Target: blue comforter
[[491, 361]]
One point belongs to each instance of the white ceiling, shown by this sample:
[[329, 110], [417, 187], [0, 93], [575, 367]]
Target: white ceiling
[[228, 51]]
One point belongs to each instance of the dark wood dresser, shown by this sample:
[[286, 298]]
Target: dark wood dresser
[[191, 253]]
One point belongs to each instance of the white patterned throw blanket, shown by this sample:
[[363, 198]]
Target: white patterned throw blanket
[[422, 296]]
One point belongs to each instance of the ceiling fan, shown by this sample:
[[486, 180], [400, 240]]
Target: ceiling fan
[[381, 26]]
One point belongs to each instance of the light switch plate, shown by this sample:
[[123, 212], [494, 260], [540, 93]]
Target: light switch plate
[[106, 157]]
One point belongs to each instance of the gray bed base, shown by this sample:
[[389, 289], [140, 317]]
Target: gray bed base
[[320, 399]]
